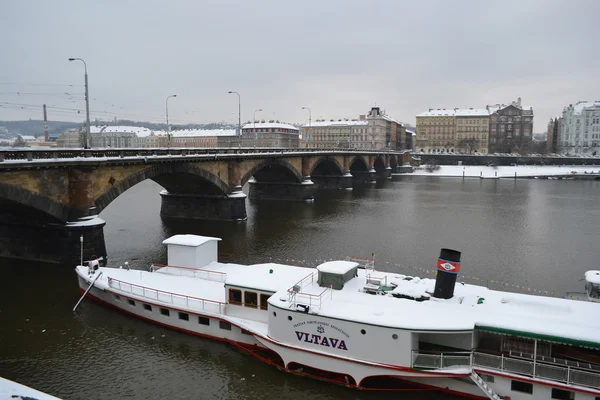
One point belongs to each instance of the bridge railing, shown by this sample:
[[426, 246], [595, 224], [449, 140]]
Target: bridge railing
[[26, 154]]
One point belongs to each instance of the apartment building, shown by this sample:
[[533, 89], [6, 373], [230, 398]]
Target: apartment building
[[511, 128], [580, 128], [270, 134], [436, 131], [376, 130]]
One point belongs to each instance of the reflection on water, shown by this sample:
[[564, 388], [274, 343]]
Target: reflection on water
[[534, 233]]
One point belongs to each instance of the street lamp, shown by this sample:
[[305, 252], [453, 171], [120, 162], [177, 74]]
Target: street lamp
[[309, 120], [87, 105], [167, 113], [239, 114], [254, 120]]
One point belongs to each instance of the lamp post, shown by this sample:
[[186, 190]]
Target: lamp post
[[87, 105], [239, 114], [167, 113], [309, 120], [254, 121]]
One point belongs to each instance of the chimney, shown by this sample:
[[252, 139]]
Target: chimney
[[519, 102], [448, 267]]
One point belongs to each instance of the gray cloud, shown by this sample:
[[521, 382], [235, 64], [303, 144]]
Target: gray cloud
[[336, 57]]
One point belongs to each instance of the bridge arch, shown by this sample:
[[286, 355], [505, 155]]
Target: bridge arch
[[46, 207], [379, 164], [158, 173], [326, 166], [358, 163], [274, 170]]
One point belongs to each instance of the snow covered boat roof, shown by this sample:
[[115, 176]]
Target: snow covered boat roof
[[189, 240], [555, 319], [337, 267]]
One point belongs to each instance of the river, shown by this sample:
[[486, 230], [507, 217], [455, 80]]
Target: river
[[532, 236]]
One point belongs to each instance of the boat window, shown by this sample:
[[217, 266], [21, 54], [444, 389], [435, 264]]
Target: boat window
[[184, 316], [524, 387], [250, 299], [117, 297], [165, 312], [264, 298], [225, 325], [131, 302], [203, 321], [395, 337], [235, 296], [562, 394], [147, 307]]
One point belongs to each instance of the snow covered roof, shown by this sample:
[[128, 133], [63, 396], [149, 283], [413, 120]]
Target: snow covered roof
[[472, 112], [200, 132], [582, 105], [189, 240], [138, 130], [27, 137], [440, 112], [458, 112], [337, 267], [336, 123], [263, 125]]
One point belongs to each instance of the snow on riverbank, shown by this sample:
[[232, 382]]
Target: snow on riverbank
[[475, 171]]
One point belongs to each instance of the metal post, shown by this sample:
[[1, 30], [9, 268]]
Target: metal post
[[87, 104], [239, 114], [167, 113], [254, 121], [309, 124], [87, 109], [534, 355]]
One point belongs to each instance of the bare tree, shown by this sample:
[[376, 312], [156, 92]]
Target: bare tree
[[469, 143], [20, 142]]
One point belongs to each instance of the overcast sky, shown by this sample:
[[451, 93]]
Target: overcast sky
[[337, 57]]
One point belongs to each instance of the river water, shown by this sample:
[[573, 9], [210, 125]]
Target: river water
[[531, 236]]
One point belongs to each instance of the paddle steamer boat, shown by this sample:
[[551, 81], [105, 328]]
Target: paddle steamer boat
[[352, 325]]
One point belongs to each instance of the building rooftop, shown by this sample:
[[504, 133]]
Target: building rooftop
[[337, 123], [138, 130], [200, 132], [439, 112], [581, 105], [263, 125]]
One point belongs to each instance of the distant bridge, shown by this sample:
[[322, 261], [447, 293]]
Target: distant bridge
[[63, 190]]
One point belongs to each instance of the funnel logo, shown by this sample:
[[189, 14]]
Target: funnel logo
[[448, 266]]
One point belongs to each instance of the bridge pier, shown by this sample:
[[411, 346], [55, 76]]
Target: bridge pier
[[52, 242], [333, 181], [304, 190], [364, 176], [230, 207]]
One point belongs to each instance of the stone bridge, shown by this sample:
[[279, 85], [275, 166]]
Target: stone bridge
[[63, 191]]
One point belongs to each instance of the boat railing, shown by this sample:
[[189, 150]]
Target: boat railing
[[189, 272], [441, 360], [176, 299], [557, 361], [570, 375], [366, 263], [308, 301]]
